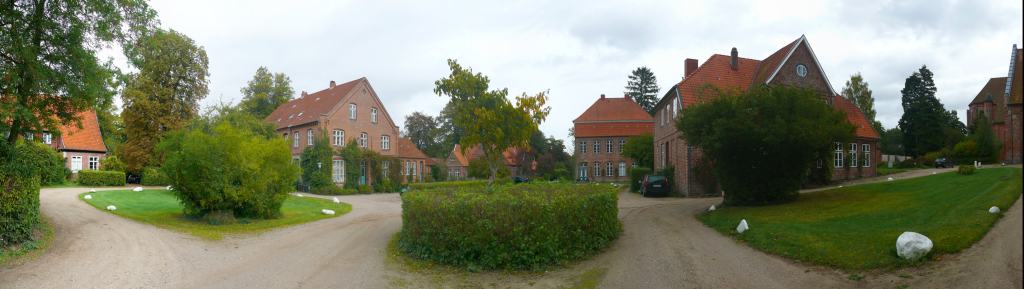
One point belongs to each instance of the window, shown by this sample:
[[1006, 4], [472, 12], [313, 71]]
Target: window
[[364, 141], [583, 170], [285, 135], [295, 139], [583, 147], [352, 111], [679, 106], [597, 147], [671, 111], [338, 171], [608, 171], [608, 147], [373, 114], [622, 169], [385, 142], [853, 155], [339, 137], [309, 137], [47, 138], [29, 136], [838, 157], [820, 163], [597, 169], [384, 166], [76, 164], [866, 149], [94, 163], [622, 143]]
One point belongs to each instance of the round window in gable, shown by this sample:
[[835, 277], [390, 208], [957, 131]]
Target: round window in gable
[[801, 70]]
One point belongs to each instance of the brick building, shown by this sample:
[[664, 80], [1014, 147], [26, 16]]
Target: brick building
[[794, 64], [344, 112], [514, 159], [600, 134], [1000, 101]]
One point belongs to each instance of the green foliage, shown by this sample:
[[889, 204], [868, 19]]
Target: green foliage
[[855, 227], [669, 173], [928, 159], [479, 168], [265, 92], [553, 163], [48, 162], [892, 141], [636, 178], [965, 170], [101, 178], [764, 141], [163, 95], [438, 172], [425, 132], [19, 193], [858, 92], [525, 226], [926, 125], [316, 162], [640, 149], [642, 87], [218, 168], [112, 163], [448, 185], [334, 191], [49, 69], [487, 117], [154, 177], [987, 146]]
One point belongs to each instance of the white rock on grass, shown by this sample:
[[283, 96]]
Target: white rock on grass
[[137, 189], [743, 227], [933, 173], [994, 210], [911, 245], [92, 190], [88, 197], [169, 188], [336, 200], [111, 208], [298, 195], [327, 212], [889, 179], [712, 208]]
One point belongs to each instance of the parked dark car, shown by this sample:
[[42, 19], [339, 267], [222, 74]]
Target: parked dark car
[[520, 179], [654, 186], [943, 163], [132, 178]]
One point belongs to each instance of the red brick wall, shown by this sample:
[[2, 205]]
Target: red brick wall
[[1012, 142], [68, 155], [603, 157]]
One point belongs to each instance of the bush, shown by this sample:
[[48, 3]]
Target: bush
[[154, 177], [112, 163], [100, 178], [217, 168], [478, 169], [316, 162], [448, 184], [928, 159], [333, 191], [965, 170], [636, 177], [526, 226], [48, 162], [19, 194]]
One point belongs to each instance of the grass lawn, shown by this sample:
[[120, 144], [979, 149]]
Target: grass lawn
[[884, 171], [162, 209], [856, 227], [43, 239]]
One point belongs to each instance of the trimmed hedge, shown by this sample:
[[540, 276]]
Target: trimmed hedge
[[48, 162], [19, 194], [965, 170], [154, 177], [524, 226], [333, 191], [636, 177], [448, 184], [100, 178]]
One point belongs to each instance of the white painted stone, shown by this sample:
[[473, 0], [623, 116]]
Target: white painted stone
[[327, 212], [840, 186], [743, 227], [712, 208], [137, 189], [169, 188], [994, 210], [298, 195], [911, 245], [336, 200], [88, 197], [889, 179], [111, 208], [92, 190], [933, 173]]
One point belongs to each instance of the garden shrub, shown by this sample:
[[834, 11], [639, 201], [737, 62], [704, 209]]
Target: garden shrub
[[216, 168], [19, 194], [636, 177], [316, 162], [48, 162], [154, 177], [965, 170], [112, 163], [524, 226], [100, 178]]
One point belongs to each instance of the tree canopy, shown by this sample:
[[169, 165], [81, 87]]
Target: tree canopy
[[764, 142], [641, 149], [425, 132], [926, 125], [265, 92], [642, 86], [858, 92]]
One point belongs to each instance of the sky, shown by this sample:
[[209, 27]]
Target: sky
[[578, 50]]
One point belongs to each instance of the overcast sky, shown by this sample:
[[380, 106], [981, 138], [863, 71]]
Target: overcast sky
[[581, 49]]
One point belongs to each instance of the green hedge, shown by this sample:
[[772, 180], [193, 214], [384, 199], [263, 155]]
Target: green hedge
[[524, 226], [19, 194], [965, 170], [448, 184], [333, 191], [636, 177], [154, 177], [49, 162], [100, 178]]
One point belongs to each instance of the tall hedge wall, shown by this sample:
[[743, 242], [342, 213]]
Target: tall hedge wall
[[525, 226], [19, 194]]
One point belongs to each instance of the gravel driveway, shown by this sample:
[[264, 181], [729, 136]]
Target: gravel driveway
[[663, 246]]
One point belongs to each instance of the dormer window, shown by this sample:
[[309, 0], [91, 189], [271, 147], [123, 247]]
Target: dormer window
[[352, 111]]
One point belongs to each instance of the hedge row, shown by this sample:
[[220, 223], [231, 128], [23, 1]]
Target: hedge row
[[19, 194], [154, 177], [524, 226], [448, 184], [100, 178]]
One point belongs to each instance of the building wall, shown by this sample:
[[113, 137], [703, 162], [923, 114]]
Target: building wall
[[602, 157], [68, 155], [1012, 142], [339, 119], [814, 79], [849, 171]]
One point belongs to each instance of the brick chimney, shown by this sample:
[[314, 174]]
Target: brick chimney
[[734, 60], [332, 83], [627, 97], [304, 94], [602, 96], [691, 66]]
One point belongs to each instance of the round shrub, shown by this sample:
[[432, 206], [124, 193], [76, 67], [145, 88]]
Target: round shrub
[[48, 162], [636, 177], [19, 194], [524, 226], [101, 178], [219, 168]]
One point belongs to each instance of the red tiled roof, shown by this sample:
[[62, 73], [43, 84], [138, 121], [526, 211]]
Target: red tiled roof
[[855, 117], [408, 150], [716, 72], [87, 138], [459, 157], [308, 109], [614, 109], [993, 91], [772, 62], [510, 156]]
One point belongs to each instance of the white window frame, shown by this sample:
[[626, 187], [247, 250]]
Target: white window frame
[[352, 110], [622, 143], [583, 147], [47, 138], [76, 164], [837, 158], [622, 169], [866, 148], [373, 114], [94, 163], [338, 171], [295, 139], [309, 136], [853, 155], [608, 147], [384, 166], [339, 137], [30, 136], [597, 147], [364, 140], [597, 169], [583, 170], [385, 142]]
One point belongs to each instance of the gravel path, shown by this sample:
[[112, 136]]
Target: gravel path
[[662, 246]]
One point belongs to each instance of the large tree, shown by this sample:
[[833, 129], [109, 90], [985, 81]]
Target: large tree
[[641, 149], [163, 95], [265, 92], [487, 117], [764, 142], [892, 141], [858, 92], [924, 122], [48, 66], [424, 132], [642, 86]]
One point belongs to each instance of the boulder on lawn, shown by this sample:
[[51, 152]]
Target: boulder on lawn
[[88, 197], [742, 227], [137, 189], [336, 200], [92, 190], [111, 208], [994, 210], [169, 188], [298, 195], [327, 212], [912, 246], [889, 179], [712, 208]]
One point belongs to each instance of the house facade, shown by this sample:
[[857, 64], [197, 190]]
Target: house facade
[[1000, 101], [82, 147], [346, 112], [794, 65], [519, 162], [600, 134]]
